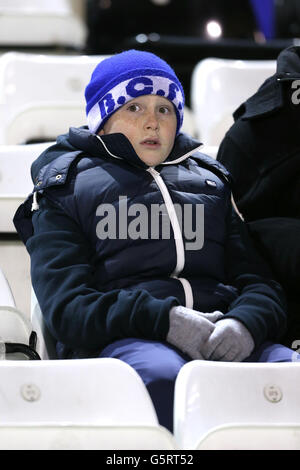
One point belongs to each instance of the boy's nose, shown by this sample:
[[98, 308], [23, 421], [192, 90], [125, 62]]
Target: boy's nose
[[151, 121]]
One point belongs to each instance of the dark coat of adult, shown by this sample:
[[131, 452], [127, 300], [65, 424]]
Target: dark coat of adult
[[262, 152]]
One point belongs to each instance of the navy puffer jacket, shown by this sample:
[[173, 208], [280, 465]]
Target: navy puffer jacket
[[115, 244]]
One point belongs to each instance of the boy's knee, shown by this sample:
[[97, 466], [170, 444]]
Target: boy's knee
[[164, 374]]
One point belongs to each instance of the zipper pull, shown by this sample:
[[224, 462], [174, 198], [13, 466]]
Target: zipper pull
[[35, 205]]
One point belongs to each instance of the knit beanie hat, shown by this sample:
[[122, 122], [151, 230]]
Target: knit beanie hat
[[122, 77]]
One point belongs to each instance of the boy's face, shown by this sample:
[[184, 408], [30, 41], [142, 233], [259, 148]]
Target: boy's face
[[149, 123]]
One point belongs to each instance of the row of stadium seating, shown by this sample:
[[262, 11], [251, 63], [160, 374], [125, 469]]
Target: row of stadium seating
[[103, 403], [40, 23]]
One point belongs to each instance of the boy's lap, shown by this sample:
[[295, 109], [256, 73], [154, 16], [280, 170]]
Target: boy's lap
[[149, 358], [273, 352], [162, 358]]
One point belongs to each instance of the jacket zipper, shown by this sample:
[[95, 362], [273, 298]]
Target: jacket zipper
[[180, 254], [189, 300]]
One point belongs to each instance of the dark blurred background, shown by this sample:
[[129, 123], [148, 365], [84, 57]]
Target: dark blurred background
[[185, 31]]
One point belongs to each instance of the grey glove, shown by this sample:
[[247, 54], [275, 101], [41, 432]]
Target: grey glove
[[189, 329], [230, 341]]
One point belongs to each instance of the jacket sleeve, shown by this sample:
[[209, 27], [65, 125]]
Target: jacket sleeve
[[76, 313], [261, 304]]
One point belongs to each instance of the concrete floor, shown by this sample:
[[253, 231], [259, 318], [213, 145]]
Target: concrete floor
[[15, 264]]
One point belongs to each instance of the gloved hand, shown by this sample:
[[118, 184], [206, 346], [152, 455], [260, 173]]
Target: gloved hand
[[189, 329], [230, 341]]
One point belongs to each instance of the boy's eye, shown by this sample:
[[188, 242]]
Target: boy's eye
[[133, 108], [164, 109]]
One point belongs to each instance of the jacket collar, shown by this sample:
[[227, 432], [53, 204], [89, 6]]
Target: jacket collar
[[52, 166], [118, 146]]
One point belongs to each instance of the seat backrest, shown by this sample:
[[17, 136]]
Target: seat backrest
[[41, 96], [252, 437], [91, 437], [40, 23], [210, 394], [210, 150], [15, 180], [188, 125], [95, 391], [6, 295], [218, 87], [99, 403], [17, 338]]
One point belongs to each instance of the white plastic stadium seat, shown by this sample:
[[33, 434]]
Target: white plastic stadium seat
[[40, 23], [41, 96], [15, 180], [210, 150], [218, 88], [45, 346], [221, 405], [252, 437], [6, 295], [188, 125], [77, 404], [17, 339]]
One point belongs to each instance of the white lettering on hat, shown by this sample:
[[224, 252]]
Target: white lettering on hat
[[132, 88]]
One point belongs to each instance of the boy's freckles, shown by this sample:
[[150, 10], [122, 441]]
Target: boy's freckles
[[149, 122]]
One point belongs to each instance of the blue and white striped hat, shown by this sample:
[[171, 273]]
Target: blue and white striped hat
[[122, 77]]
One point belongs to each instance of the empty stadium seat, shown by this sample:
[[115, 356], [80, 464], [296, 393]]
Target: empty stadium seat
[[210, 150], [40, 23], [218, 87], [15, 180], [77, 404], [188, 125], [41, 96], [225, 405]]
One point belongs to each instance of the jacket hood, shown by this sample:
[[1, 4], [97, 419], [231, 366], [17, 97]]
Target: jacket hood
[[270, 97], [113, 146], [288, 64]]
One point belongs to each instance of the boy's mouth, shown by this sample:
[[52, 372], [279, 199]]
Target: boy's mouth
[[151, 142]]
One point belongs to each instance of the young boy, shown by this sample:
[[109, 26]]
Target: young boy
[[136, 252]]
